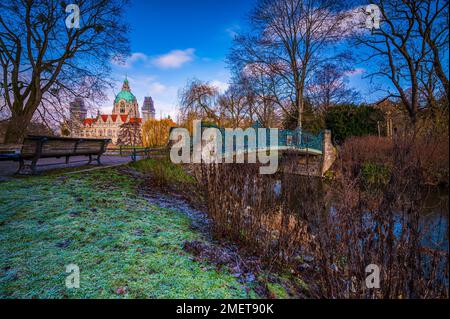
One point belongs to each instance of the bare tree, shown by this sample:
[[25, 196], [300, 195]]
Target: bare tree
[[329, 87], [432, 21], [287, 39], [130, 134], [259, 87], [407, 49], [234, 107], [43, 60], [200, 100]]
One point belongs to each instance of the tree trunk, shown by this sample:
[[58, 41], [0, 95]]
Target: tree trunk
[[16, 129], [439, 71], [300, 110]]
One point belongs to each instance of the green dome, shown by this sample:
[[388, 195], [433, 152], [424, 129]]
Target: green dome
[[125, 95]]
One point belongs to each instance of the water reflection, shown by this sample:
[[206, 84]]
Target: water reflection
[[434, 222]]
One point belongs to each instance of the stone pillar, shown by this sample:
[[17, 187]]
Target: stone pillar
[[329, 152]]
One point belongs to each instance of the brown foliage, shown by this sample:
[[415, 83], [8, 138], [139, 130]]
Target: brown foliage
[[381, 225], [330, 232], [130, 134], [430, 153]]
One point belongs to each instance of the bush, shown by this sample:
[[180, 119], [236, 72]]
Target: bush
[[375, 175], [379, 195], [163, 172], [430, 153], [369, 212], [348, 120]]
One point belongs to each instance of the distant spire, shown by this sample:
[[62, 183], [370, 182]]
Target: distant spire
[[126, 85], [148, 104]]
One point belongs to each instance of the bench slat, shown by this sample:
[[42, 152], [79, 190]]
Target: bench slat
[[35, 147]]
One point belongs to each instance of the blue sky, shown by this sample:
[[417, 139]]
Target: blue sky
[[174, 41]]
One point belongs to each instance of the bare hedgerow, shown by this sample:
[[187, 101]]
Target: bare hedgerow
[[382, 224], [370, 212]]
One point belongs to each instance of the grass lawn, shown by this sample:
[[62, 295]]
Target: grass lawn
[[125, 247]]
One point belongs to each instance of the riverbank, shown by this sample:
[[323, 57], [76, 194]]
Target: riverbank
[[125, 244], [147, 230], [373, 209], [176, 187]]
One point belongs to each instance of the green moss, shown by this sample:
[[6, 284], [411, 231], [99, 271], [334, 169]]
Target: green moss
[[125, 247], [278, 291]]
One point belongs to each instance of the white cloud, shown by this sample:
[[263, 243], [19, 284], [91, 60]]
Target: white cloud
[[137, 56], [356, 71], [233, 30], [131, 60], [156, 88], [174, 59], [221, 86]]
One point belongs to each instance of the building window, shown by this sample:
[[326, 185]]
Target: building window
[[122, 107]]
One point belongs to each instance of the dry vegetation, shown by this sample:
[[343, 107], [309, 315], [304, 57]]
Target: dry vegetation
[[369, 212]]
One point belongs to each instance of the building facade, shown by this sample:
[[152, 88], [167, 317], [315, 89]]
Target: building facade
[[125, 110]]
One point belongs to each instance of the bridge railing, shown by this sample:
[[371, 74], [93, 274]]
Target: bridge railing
[[312, 141], [286, 138]]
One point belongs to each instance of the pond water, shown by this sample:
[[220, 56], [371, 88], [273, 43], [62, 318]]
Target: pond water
[[435, 215], [434, 211]]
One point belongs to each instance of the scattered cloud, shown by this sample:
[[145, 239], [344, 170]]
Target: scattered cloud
[[221, 86], [356, 71], [174, 59], [156, 88], [233, 31], [131, 60]]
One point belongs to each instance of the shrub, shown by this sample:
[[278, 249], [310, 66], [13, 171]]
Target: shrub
[[163, 172], [347, 120], [375, 175], [368, 213], [380, 223]]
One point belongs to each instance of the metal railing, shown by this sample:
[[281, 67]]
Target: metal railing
[[136, 152]]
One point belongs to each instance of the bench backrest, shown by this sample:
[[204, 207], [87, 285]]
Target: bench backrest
[[29, 147], [53, 146], [87, 146], [57, 147]]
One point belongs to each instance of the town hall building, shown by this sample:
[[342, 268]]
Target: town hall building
[[125, 110]]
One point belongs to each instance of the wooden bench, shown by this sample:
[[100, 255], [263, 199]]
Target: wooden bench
[[37, 147]]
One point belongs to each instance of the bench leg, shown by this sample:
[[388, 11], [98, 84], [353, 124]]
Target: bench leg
[[21, 165], [90, 159], [98, 160], [33, 167], [67, 159]]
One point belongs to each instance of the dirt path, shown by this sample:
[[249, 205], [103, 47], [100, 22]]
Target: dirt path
[[9, 168]]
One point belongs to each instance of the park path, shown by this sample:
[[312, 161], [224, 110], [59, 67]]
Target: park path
[[9, 168]]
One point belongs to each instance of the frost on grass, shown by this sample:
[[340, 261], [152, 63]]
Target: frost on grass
[[124, 246]]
